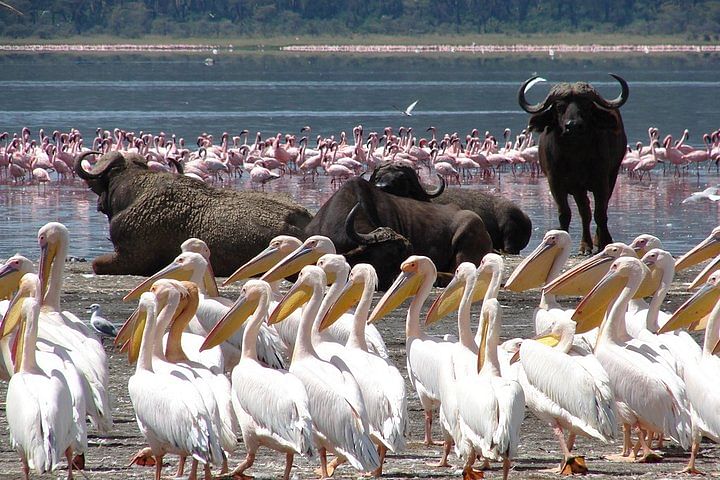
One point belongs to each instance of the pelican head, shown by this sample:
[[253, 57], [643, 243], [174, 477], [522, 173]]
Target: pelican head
[[415, 272], [335, 267], [53, 239], [449, 300], [279, 248], [709, 247], [580, 279], [644, 243], [130, 335], [311, 281], [362, 281], [183, 268], [535, 269], [199, 246], [254, 298], [624, 272], [308, 253], [11, 272]]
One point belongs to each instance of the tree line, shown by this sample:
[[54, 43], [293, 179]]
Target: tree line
[[697, 20]]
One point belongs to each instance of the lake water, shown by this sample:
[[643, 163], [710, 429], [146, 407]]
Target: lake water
[[178, 93]]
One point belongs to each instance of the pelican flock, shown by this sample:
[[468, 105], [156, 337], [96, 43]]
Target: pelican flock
[[303, 370]]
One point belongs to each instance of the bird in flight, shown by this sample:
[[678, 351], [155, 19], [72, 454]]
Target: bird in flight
[[408, 111]]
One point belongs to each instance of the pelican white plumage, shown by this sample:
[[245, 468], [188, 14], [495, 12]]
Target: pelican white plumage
[[38, 405], [285, 256], [648, 394], [643, 243], [567, 388], [272, 405], [193, 267], [704, 395], [171, 416], [336, 404], [383, 388], [424, 353], [491, 408], [10, 274]]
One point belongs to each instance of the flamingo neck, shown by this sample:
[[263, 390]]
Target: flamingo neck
[[303, 342], [356, 339]]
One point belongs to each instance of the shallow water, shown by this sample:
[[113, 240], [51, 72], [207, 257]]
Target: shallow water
[[179, 94]]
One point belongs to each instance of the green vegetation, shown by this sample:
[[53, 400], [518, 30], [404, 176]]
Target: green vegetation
[[243, 22]]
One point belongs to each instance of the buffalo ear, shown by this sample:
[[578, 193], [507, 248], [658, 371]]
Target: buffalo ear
[[605, 119], [540, 121]]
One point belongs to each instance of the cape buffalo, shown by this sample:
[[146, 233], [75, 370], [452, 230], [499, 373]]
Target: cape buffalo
[[581, 147]]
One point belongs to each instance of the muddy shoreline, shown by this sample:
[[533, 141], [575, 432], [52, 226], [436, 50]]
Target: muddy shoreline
[[108, 455]]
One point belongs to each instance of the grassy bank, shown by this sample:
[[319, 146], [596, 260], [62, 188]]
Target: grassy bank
[[254, 43]]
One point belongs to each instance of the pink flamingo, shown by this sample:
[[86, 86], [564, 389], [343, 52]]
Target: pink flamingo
[[261, 175], [647, 162], [41, 176]]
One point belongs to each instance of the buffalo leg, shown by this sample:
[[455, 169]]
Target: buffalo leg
[[564, 212], [583, 204], [601, 219]]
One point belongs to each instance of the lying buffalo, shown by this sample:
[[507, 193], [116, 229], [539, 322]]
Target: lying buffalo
[[508, 226], [151, 214], [445, 233], [582, 144]]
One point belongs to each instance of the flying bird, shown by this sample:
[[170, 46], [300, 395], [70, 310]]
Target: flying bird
[[408, 111], [711, 193]]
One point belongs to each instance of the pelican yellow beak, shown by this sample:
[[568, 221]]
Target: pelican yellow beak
[[405, 285], [233, 319], [298, 295], [13, 315], [446, 302], [174, 271], [260, 263], [705, 274], [209, 282], [482, 346], [292, 264], [48, 251], [694, 309], [125, 332], [137, 322], [9, 281], [534, 269], [580, 279], [591, 310], [349, 297], [710, 247]]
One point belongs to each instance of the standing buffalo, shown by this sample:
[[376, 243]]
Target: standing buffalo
[[151, 214], [508, 226], [581, 147], [445, 233]]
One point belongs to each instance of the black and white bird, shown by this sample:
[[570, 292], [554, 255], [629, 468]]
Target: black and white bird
[[408, 110], [101, 325]]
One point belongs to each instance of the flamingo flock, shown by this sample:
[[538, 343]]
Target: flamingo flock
[[614, 360], [48, 159]]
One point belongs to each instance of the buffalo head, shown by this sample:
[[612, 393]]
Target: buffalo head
[[574, 110], [403, 181]]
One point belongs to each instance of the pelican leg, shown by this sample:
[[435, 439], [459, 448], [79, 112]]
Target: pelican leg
[[224, 469], [570, 464], [506, 468], [627, 441], [447, 445], [661, 440], [648, 455], [334, 463], [78, 462], [571, 441], [288, 465], [691, 464], [208, 472], [25, 467], [323, 463], [428, 428], [193, 470], [382, 451], [158, 466], [69, 457], [237, 474], [181, 467]]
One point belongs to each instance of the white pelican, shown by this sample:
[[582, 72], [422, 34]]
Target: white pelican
[[703, 393], [285, 256], [191, 266], [567, 388], [10, 274], [491, 408], [66, 330], [424, 353], [336, 404], [645, 242], [648, 394], [38, 405], [171, 416], [383, 388], [272, 405], [209, 285]]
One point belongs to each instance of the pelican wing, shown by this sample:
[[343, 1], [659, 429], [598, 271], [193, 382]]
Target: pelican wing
[[277, 403]]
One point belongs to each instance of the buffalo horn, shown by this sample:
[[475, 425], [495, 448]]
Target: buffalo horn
[[538, 107], [620, 100], [439, 190], [354, 235], [82, 173]]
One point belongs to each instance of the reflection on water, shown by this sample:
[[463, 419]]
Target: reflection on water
[[636, 207]]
